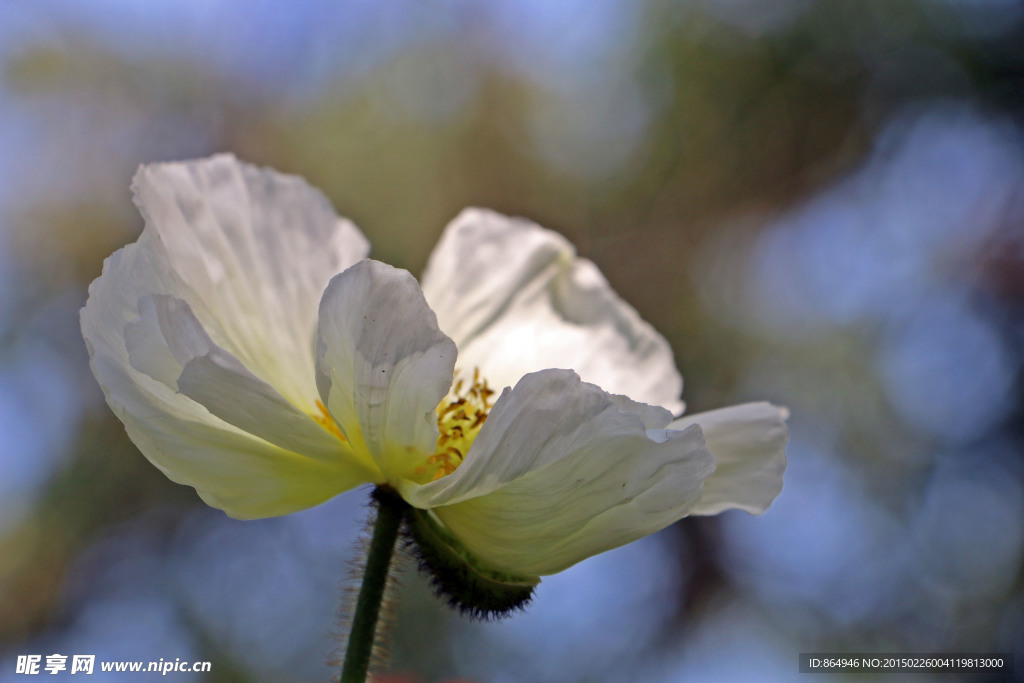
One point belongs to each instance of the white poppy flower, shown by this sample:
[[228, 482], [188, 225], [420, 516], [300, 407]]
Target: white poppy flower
[[255, 354]]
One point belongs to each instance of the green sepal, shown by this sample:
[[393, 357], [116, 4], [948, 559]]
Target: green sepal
[[459, 578]]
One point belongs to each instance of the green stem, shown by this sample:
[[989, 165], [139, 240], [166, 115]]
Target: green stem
[[390, 512]]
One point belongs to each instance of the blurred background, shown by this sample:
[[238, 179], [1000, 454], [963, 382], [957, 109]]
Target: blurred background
[[819, 203]]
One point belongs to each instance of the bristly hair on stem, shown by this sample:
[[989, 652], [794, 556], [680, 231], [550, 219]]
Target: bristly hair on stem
[[371, 611], [348, 593], [458, 577]]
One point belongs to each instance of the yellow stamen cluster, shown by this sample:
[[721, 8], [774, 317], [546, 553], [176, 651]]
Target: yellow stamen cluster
[[325, 420], [459, 418]]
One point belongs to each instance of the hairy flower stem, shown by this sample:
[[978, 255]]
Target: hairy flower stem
[[391, 511]]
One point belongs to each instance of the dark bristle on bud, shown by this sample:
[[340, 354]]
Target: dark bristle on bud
[[458, 579]]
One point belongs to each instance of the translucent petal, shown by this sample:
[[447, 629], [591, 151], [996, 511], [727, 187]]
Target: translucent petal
[[253, 250], [516, 299], [250, 252], [562, 471], [242, 475], [233, 470], [383, 365], [169, 339], [748, 443]]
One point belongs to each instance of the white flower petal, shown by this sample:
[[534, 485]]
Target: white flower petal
[[168, 337], [235, 471], [224, 387], [653, 417], [547, 416], [148, 351], [516, 299], [560, 472], [383, 365], [254, 250], [749, 445]]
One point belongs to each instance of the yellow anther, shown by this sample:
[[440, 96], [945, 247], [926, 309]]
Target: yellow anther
[[459, 419], [454, 405]]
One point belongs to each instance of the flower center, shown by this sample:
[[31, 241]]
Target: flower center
[[459, 418]]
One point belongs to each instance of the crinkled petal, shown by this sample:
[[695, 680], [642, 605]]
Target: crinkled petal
[[236, 471], [562, 471], [749, 445], [253, 250], [517, 299], [548, 415], [383, 365]]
